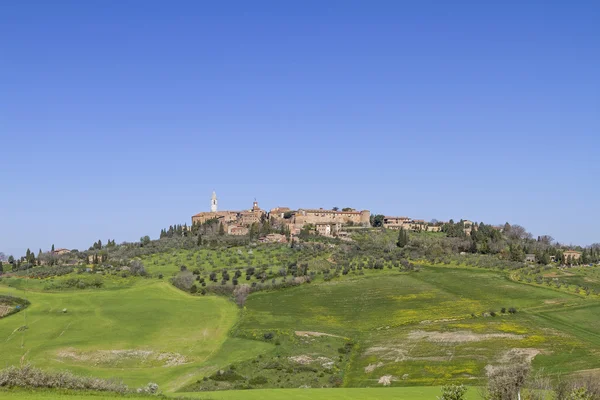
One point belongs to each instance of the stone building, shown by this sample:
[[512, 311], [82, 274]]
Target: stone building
[[237, 230], [227, 218], [396, 222], [278, 212], [469, 227], [410, 224], [274, 238], [571, 255], [251, 216], [328, 229], [60, 252], [314, 216]]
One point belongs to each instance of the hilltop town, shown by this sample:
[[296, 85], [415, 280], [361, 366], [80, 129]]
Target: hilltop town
[[338, 223], [326, 222]]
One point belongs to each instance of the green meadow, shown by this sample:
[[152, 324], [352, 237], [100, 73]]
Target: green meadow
[[413, 393], [149, 332], [413, 331]]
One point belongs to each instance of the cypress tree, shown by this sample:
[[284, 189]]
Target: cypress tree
[[402, 238]]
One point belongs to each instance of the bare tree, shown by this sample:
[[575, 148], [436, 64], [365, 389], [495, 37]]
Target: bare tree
[[241, 293], [505, 383], [546, 239], [517, 232], [539, 386]]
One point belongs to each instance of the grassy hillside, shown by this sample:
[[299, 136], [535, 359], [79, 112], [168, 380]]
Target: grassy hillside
[[355, 324], [413, 393], [428, 327], [149, 332]]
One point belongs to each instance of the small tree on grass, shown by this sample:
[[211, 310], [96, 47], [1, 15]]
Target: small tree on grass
[[505, 383], [453, 392], [240, 293], [184, 280]]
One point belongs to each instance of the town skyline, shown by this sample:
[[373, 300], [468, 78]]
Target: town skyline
[[237, 204]]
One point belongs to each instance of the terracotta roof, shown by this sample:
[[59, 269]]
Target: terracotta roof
[[329, 211], [215, 214]]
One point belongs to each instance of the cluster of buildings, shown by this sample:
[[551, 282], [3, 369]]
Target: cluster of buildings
[[235, 222], [325, 222], [411, 224], [419, 225]]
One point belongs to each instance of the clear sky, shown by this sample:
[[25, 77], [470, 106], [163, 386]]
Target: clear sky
[[120, 118]]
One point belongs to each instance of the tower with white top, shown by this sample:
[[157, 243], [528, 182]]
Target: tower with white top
[[213, 203]]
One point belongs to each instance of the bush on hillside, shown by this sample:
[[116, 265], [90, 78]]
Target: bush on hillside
[[31, 377], [453, 392], [137, 268], [258, 380], [226, 376], [150, 388], [76, 283], [17, 303], [184, 281]]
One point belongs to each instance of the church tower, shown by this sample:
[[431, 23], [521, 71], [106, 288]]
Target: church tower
[[213, 203]]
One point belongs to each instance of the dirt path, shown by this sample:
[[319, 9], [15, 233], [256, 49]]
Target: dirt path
[[316, 334]]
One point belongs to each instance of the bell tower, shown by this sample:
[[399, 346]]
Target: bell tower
[[213, 203]]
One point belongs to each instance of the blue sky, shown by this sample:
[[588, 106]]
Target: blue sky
[[120, 118]]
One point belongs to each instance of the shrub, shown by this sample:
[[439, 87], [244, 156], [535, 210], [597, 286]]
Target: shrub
[[184, 281], [151, 388], [346, 349], [258, 380], [226, 376], [453, 392], [137, 268], [336, 381], [30, 377]]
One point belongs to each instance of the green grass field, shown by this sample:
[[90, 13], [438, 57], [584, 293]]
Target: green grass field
[[149, 332], [427, 328], [420, 329], [409, 393]]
